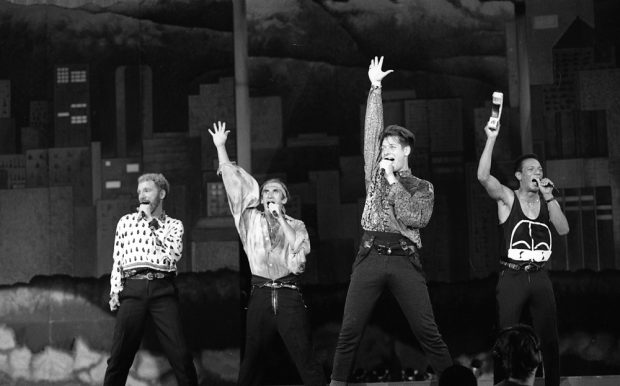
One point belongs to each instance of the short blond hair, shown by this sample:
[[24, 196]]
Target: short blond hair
[[158, 179]]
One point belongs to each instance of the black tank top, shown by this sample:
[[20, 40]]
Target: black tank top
[[525, 239]]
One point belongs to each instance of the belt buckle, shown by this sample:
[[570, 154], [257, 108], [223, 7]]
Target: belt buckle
[[530, 267], [383, 250], [150, 276]]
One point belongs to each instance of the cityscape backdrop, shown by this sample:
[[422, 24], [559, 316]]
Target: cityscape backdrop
[[95, 92]]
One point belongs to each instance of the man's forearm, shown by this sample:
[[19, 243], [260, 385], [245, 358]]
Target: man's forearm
[[222, 154], [484, 166]]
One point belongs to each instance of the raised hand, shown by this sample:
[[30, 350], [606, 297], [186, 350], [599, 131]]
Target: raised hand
[[219, 133], [375, 73], [491, 132]]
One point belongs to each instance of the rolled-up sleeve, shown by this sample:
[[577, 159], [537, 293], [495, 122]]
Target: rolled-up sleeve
[[242, 192], [297, 252], [412, 208]]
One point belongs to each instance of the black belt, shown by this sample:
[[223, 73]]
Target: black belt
[[530, 266], [147, 274], [276, 285], [401, 248]]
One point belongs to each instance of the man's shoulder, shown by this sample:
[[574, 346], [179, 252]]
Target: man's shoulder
[[414, 182], [129, 217], [174, 221], [293, 220]]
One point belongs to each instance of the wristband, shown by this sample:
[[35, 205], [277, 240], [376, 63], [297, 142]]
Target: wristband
[[375, 87], [549, 200]]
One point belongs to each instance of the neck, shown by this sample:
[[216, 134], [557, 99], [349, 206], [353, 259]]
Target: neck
[[158, 211], [528, 194], [527, 381]]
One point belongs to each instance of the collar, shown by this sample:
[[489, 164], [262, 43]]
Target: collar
[[404, 173], [162, 217]]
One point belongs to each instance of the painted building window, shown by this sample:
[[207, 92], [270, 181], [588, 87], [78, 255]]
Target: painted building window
[[590, 242], [78, 76], [62, 75], [78, 119]]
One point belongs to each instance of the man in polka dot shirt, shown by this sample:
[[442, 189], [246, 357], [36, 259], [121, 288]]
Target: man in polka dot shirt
[[147, 246]]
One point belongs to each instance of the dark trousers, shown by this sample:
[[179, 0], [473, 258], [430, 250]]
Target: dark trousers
[[291, 322], [519, 290], [371, 275], [139, 300]]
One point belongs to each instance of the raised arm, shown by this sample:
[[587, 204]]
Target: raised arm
[[373, 122], [241, 188], [494, 188]]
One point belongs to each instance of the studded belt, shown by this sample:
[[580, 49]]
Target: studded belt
[[150, 275], [527, 267]]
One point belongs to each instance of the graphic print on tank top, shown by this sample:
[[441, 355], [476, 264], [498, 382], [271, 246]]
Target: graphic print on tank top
[[530, 241]]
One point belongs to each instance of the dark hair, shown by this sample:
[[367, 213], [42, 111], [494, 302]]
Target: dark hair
[[518, 165], [457, 375], [518, 350], [405, 137]]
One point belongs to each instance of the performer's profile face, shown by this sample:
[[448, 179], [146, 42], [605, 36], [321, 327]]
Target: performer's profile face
[[530, 171], [273, 192], [149, 192], [392, 149]]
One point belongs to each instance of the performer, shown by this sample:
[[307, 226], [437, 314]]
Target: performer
[[147, 246], [397, 205], [525, 217], [276, 245], [517, 350]]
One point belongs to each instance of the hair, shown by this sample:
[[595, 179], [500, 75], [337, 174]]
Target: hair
[[518, 350], [405, 137], [158, 179], [518, 165], [457, 375], [287, 195]]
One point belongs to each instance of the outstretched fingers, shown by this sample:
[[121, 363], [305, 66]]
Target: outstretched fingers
[[219, 128]]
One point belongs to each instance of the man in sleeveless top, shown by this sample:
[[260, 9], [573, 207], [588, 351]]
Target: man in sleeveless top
[[526, 217]]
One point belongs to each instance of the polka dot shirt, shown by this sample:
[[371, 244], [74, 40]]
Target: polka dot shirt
[[138, 245]]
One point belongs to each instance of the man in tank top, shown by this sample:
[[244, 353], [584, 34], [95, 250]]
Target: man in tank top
[[526, 216]]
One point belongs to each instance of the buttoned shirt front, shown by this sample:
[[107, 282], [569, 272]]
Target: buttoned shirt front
[[402, 207], [269, 254], [138, 245]]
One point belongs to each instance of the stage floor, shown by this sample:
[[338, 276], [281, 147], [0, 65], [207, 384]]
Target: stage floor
[[603, 380]]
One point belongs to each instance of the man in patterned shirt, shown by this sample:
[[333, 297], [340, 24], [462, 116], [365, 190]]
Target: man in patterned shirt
[[397, 205], [147, 246], [276, 245]]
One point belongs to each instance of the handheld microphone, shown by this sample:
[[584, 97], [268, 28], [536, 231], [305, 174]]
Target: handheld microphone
[[142, 213], [549, 184], [273, 209]]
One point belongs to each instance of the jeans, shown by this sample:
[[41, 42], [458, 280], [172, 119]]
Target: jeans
[[291, 322], [372, 274], [157, 299], [520, 290]]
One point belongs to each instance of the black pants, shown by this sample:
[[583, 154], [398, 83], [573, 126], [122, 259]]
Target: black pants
[[520, 290], [291, 322], [372, 274], [157, 299]]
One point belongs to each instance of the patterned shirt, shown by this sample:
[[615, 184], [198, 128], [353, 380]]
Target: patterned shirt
[[136, 245], [403, 207], [269, 253]]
